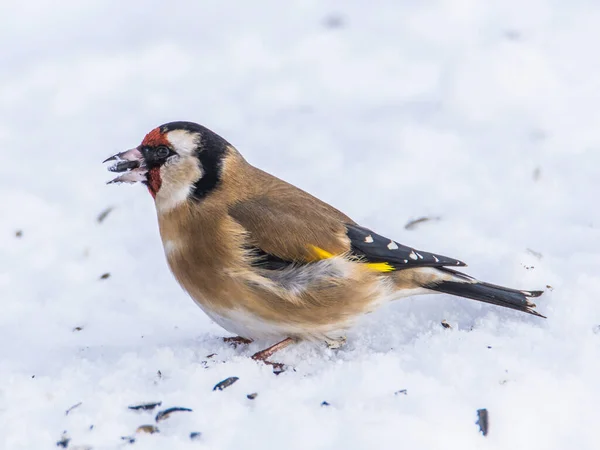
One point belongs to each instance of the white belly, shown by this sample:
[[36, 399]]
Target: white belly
[[250, 326], [244, 324]]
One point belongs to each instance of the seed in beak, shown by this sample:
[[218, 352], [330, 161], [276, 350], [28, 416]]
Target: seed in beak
[[122, 166], [132, 163]]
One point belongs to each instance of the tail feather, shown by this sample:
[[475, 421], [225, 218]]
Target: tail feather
[[463, 285]]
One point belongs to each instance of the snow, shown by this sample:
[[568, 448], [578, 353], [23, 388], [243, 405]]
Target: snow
[[484, 114]]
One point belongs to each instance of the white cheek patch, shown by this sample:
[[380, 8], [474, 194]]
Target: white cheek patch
[[183, 142], [178, 176]]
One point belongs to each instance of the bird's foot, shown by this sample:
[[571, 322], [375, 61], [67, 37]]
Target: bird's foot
[[277, 367], [263, 355], [236, 340], [334, 344]]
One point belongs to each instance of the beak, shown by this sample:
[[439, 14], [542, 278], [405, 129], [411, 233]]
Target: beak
[[132, 163]]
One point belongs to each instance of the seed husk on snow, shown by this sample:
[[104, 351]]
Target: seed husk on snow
[[445, 324], [252, 396], [165, 413], [401, 391], [483, 421], [412, 224], [145, 406], [225, 383], [77, 405], [64, 440], [150, 429], [538, 255], [104, 214], [195, 435]]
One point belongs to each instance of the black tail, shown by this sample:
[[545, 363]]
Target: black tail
[[465, 286]]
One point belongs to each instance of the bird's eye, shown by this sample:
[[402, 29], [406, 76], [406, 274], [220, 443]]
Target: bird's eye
[[162, 152]]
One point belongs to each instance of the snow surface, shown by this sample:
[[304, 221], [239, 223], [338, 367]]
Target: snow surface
[[485, 114]]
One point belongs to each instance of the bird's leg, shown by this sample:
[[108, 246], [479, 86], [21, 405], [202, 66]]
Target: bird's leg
[[268, 352], [237, 340]]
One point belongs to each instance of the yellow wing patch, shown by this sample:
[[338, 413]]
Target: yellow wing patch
[[377, 267], [320, 253], [380, 267]]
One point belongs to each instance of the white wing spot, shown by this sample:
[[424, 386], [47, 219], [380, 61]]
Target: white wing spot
[[436, 260], [458, 263], [392, 245], [369, 239], [413, 255], [419, 255], [405, 261]]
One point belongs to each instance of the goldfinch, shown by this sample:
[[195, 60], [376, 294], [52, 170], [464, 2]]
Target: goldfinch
[[266, 260]]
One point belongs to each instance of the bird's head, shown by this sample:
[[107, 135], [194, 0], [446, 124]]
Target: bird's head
[[176, 161]]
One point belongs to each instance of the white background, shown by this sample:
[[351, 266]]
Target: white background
[[485, 114]]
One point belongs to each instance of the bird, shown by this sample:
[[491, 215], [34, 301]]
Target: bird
[[268, 261]]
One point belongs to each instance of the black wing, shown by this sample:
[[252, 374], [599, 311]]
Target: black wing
[[375, 248]]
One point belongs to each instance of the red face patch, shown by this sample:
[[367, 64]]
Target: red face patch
[[154, 181], [155, 138]]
